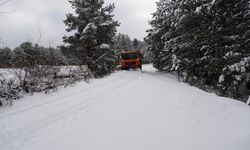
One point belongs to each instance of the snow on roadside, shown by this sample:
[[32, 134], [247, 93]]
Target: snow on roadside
[[10, 74], [127, 110]]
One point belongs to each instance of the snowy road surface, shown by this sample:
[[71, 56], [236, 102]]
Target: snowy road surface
[[126, 111]]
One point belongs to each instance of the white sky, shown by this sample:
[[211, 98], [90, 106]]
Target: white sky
[[27, 16]]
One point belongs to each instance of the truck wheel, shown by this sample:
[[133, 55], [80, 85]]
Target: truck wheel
[[140, 67], [124, 68]]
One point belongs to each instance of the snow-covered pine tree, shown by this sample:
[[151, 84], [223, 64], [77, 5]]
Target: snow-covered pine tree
[[180, 40], [93, 39], [192, 43], [161, 24], [172, 38], [232, 20]]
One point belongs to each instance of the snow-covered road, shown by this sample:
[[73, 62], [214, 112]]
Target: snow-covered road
[[127, 110]]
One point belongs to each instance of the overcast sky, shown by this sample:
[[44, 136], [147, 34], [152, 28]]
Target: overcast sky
[[28, 17]]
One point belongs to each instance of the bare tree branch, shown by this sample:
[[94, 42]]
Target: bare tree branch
[[40, 32], [100, 57]]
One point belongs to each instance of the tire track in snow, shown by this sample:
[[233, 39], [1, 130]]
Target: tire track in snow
[[59, 99], [32, 130], [77, 98]]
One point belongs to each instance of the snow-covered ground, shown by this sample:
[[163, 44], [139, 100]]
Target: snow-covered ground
[[128, 110]]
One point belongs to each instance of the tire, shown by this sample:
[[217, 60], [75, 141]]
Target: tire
[[140, 68], [124, 68]]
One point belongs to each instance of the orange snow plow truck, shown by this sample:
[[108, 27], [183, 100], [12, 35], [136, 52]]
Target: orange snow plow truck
[[131, 59]]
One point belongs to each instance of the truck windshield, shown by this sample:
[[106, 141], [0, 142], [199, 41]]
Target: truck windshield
[[127, 56]]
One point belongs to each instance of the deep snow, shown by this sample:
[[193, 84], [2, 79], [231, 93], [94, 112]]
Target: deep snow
[[127, 110]]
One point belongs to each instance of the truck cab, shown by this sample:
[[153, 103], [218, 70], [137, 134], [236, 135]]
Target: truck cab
[[131, 59]]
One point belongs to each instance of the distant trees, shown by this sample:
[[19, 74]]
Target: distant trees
[[30, 55], [123, 42], [206, 41], [135, 43], [93, 39], [5, 57]]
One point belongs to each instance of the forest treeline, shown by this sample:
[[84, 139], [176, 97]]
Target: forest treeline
[[31, 54]]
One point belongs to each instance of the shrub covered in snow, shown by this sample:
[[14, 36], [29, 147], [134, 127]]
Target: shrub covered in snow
[[40, 78], [235, 78], [9, 91]]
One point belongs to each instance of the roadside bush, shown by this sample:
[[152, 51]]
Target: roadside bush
[[9, 91]]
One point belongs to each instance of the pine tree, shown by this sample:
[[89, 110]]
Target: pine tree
[[233, 21], [154, 38], [135, 44], [93, 40]]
